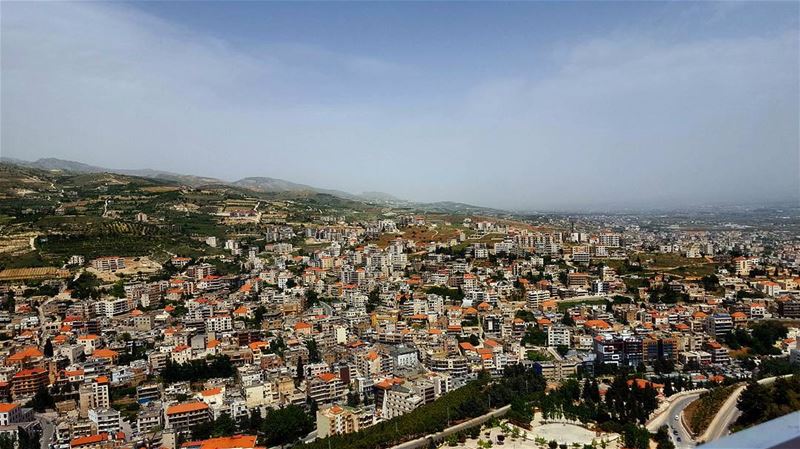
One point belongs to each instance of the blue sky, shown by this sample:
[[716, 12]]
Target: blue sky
[[539, 105]]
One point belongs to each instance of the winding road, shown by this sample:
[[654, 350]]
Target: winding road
[[728, 413], [675, 426]]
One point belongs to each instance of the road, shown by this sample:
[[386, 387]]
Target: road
[[686, 440], [668, 418], [673, 409], [728, 413], [424, 442], [48, 430]]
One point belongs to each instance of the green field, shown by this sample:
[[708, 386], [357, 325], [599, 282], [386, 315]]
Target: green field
[[563, 306]]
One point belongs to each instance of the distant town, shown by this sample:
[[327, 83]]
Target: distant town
[[144, 312]]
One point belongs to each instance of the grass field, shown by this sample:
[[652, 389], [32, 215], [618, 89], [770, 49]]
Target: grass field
[[30, 259], [441, 233], [675, 263], [562, 306]]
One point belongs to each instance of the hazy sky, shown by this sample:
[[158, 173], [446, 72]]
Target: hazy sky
[[514, 105]]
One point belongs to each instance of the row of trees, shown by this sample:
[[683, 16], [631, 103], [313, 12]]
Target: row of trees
[[761, 340], [518, 387], [279, 426], [700, 412], [623, 403], [213, 367], [760, 403]]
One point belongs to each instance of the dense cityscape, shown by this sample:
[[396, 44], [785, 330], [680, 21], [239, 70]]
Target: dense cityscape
[[154, 313], [392, 224]]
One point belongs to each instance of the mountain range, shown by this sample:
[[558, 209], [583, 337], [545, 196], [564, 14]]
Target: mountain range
[[259, 184]]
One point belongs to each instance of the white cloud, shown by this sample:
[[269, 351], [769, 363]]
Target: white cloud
[[620, 119]]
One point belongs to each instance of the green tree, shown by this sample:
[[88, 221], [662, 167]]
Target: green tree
[[636, 437], [286, 425], [534, 337], [48, 348], [313, 351], [118, 290], [42, 400], [223, 426]]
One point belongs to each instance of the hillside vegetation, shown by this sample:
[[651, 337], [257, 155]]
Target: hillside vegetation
[[701, 412], [760, 403]]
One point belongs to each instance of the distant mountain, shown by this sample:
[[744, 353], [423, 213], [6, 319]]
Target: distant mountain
[[459, 208], [380, 196], [264, 184], [51, 164], [258, 184]]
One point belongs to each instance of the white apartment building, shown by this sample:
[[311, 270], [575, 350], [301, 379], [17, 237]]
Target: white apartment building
[[558, 336], [536, 297], [105, 420], [219, 323], [112, 307], [400, 400]]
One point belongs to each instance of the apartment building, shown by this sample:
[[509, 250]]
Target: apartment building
[[399, 400], [557, 369], [559, 336], [111, 263], [609, 239], [577, 280], [112, 307], [719, 324], [106, 420], [789, 308], [621, 350], [183, 417], [654, 349], [11, 413], [27, 382], [219, 323], [534, 298], [339, 420], [94, 394], [719, 354], [325, 388]]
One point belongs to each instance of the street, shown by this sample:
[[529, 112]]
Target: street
[[686, 441], [729, 413], [48, 429], [668, 418]]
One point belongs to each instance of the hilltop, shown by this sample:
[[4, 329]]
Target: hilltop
[[256, 183]]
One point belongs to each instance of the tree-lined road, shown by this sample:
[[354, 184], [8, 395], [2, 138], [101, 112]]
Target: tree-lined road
[[729, 413]]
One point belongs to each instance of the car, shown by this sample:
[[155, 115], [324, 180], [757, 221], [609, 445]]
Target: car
[[678, 439], [676, 417], [674, 431]]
